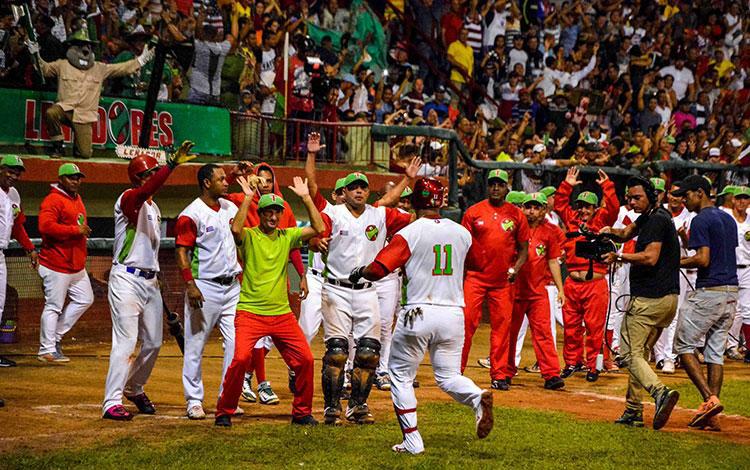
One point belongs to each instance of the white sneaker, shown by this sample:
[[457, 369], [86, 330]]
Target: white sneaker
[[266, 396], [484, 363], [485, 420], [239, 411], [668, 367], [401, 449], [247, 391], [196, 412]]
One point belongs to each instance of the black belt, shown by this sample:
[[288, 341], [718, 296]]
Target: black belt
[[743, 266], [144, 273], [224, 280], [348, 285], [316, 272]]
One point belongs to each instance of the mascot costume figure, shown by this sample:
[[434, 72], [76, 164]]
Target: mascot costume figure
[[80, 80]]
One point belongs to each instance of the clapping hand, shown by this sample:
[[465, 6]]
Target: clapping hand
[[603, 178], [246, 186]]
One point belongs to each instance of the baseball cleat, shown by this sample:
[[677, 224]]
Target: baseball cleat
[[383, 381], [401, 449], [239, 411], [485, 420], [306, 420], [117, 413], [332, 416], [143, 403], [224, 421], [665, 403], [554, 383], [359, 414], [196, 412], [734, 354], [5, 362], [668, 367], [660, 364], [570, 370], [631, 418], [592, 375], [532, 369], [247, 391], [266, 395], [52, 358], [500, 384]]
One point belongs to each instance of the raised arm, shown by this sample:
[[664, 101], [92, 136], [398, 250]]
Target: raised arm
[[313, 147], [562, 199], [317, 226], [391, 198], [239, 219]]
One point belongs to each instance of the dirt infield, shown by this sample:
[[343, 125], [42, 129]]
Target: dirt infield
[[54, 407]]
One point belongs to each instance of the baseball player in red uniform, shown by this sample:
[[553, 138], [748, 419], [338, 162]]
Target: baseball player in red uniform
[[531, 297], [433, 252], [133, 292], [585, 299], [62, 224], [501, 230]]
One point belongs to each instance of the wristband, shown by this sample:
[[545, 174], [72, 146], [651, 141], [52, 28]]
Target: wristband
[[187, 274]]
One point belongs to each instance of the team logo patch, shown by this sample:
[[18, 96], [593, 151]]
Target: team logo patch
[[371, 232], [508, 225], [541, 250], [17, 210], [747, 236], [80, 219]]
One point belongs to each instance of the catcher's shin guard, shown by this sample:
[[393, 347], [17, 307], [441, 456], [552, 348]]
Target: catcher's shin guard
[[334, 360], [366, 361]]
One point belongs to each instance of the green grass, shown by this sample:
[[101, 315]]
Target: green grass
[[527, 439]]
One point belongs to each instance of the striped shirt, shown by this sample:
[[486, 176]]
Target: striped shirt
[[474, 28]]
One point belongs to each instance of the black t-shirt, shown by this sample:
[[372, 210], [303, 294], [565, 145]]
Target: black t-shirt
[[663, 278]]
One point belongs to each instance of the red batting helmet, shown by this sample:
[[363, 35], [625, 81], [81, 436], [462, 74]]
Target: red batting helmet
[[428, 193], [139, 165]]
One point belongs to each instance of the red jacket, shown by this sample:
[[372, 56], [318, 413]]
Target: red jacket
[[63, 247], [603, 217]]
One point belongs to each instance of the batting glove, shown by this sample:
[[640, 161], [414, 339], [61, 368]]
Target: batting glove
[[357, 274]]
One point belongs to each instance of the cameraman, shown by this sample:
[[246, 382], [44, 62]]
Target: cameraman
[[654, 288], [587, 297]]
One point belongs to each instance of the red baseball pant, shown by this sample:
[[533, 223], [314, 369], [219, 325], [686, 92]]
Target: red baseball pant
[[586, 304], [538, 311], [500, 303], [291, 342]]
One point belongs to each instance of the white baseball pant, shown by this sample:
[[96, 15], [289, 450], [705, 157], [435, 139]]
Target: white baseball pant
[[56, 320], [440, 330], [348, 311], [310, 312], [137, 312], [219, 307], [663, 347], [3, 283], [621, 291], [742, 315], [555, 315], [389, 295]]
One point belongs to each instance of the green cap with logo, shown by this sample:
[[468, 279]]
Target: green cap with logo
[[548, 191], [742, 191], [515, 197], [356, 176], [12, 161], [587, 197], [502, 175], [407, 192], [69, 169], [535, 198], [270, 200], [728, 189], [659, 184], [339, 184]]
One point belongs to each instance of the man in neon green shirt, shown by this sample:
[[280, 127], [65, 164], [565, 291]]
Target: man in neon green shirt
[[263, 308]]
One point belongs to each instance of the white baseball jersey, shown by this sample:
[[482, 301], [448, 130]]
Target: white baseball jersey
[[138, 247], [214, 253], [6, 220], [680, 220], [316, 261], [355, 241], [435, 268], [743, 237], [15, 202]]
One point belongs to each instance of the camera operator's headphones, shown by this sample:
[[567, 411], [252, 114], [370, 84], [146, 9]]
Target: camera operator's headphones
[[647, 186]]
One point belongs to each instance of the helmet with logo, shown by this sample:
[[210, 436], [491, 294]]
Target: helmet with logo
[[428, 193], [139, 165]]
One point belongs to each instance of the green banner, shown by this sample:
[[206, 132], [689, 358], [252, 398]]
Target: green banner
[[120, 122]]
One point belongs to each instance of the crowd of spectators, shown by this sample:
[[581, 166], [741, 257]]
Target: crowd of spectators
[[605, 82]]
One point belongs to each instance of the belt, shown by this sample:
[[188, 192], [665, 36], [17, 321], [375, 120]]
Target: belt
[[144, 273], [743, 266], [722, 288], [582, 277], [348, 285], [224, 280], [316, 272]]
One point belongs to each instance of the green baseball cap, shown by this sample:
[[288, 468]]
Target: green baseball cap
[[659, 184], [13, 161], [499, 174], [356, 176], [588, 197], [728, 189], [407, 192], [670, 140], [538, 198], [339, 184], [548, 191], [515, 197], [742, 191], [69, 169], [270, 200]]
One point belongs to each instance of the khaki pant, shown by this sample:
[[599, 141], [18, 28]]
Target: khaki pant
[[640, 330], [55, 117]]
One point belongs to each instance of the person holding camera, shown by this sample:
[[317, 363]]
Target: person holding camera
[[586, 290], [652, 305], [709, 309]]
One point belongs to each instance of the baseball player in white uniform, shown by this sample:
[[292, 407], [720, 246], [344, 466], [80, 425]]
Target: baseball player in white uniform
[[134, 295], [681, 217], [432, 251], [741, 323], [357, 232], [6, 226], [207, 258]]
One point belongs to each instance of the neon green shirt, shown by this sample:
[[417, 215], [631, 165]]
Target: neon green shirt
[[264, 278]]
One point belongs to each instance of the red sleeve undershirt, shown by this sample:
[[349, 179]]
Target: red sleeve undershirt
[[186, 231], [19, 232], [133, 199], [320, 201], [393, 256], [395, 220]]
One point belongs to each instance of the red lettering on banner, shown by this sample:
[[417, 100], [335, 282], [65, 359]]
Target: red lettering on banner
[[152, 141], [136, 123], [165, 127], [31, 132], [99, 132]]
